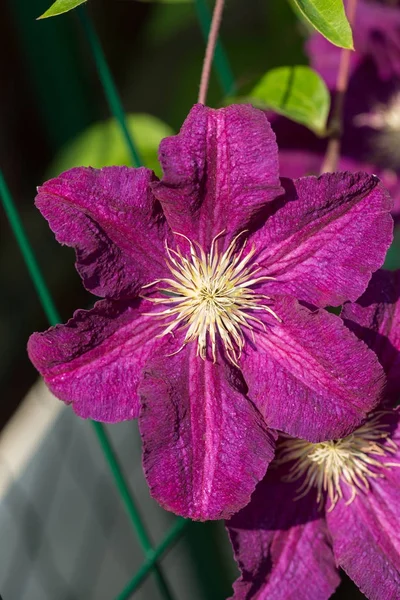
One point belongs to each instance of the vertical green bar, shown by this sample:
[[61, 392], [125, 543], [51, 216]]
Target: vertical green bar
[[108, 84], [16, 225], [172, 536]]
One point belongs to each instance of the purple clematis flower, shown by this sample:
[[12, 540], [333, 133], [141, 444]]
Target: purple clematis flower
[[371, 116], [209, 330], [335, 503]]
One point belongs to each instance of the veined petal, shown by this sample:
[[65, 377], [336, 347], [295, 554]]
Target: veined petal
[[94, 362], [113, 221], [309, 375], [281, 546], [326, 238], [218, 172], [375, 319], [366, 534], [205, 445]]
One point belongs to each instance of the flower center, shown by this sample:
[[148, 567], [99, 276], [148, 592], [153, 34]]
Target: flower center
[[212, 296], [338, 465]]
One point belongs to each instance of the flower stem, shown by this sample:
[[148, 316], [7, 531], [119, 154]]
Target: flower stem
[[221, 64], [209, 55], [332, 154]]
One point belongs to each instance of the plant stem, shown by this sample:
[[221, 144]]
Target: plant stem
[[209, 55], [332, 154], [221, 64]]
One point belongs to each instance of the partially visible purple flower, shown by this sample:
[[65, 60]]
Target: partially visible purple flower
[[204, 333], [371, 115], [335, 503], [376, 33]]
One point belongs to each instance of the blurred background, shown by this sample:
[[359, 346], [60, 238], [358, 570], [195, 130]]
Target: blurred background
[[64, 534]]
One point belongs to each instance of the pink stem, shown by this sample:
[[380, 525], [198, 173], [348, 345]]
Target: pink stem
[[332, 154], [211, 43]]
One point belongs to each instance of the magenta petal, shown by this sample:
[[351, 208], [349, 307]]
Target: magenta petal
[[205, 445], [114, 223], [309, 375], [281, 546], [375, 318], [218, 171], [328, 236], [95, 360], [366, 535]]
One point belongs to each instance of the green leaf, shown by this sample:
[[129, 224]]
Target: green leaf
[[102, 144], [298, 93], [61, 6], [329, 18]]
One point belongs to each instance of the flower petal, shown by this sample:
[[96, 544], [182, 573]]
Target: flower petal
[[309, 375], [366, 535], [218, 171], [95, 360], [375, 319], [205, 445], [114, 223], [327, 236], [281, 546]]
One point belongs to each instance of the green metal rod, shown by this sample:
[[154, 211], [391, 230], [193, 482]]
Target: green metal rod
[[53, 318], [30, 260], [130, 505], [221, 63], [108, 84], [171, 538]]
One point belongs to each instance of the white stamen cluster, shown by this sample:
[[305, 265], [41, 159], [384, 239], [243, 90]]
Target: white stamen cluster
[[333, 466], [212, 295]]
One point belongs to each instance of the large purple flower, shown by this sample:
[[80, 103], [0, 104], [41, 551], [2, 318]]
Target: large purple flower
[[201, 333], [334, 503]]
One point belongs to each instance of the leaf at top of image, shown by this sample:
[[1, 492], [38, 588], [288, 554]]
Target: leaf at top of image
[[295, 92], [329, 18], [61, 6]]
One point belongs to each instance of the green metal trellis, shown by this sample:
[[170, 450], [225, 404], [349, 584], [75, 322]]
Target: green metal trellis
[[152, 555]]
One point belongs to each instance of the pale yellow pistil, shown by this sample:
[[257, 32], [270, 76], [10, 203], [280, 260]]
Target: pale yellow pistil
[[212, 296], [345, 464]]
